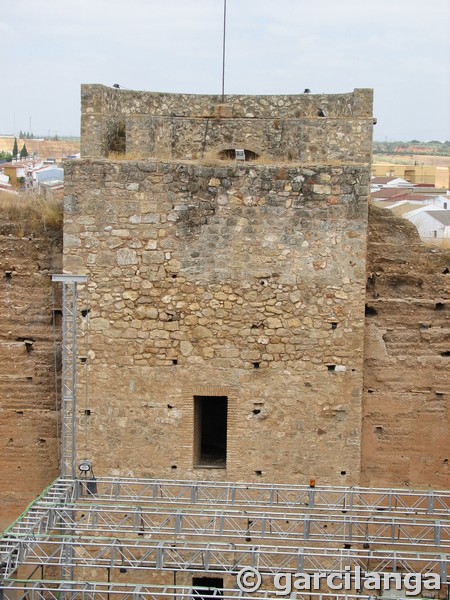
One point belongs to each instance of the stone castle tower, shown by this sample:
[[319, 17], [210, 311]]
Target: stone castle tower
[[225, 297]]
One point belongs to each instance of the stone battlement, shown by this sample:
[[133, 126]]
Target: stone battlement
[[306, 128]]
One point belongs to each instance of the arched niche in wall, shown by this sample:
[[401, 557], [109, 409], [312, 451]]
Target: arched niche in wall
[[230, 154]]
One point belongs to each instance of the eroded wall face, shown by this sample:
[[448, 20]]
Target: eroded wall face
[[239, 282], [406, 423], [28, 415]]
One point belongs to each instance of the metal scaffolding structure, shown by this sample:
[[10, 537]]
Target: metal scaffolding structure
[[68, 391], [328, 499], [219, 528], [68, 376], [55, 590], [253, 526], [217, 557], [81, 533]]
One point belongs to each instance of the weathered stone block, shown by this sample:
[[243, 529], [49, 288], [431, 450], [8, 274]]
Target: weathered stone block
[[125, 256], [152, 257]]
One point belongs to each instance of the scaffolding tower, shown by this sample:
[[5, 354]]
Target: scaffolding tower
[[68, 375]]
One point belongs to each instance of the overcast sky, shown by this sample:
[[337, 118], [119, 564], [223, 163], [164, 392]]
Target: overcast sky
[[400, 48]]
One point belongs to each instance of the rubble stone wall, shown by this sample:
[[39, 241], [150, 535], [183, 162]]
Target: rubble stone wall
[[405, 414], [406, 422], [239, 281], [307, 127], [28, 415]]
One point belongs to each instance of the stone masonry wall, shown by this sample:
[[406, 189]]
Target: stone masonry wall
[[238, 281], [28, 416], [308, 128], [406, 421]]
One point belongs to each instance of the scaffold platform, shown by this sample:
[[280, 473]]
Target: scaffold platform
[[80, 529]]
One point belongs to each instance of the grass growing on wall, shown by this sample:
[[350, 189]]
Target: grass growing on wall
[[30, 214]]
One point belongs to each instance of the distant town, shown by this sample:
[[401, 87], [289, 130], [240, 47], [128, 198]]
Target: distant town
[[33, 164], [412, 179]]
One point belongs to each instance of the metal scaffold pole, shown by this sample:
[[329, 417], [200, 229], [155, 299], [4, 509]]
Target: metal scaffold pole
[[68, 404], [68, 375]]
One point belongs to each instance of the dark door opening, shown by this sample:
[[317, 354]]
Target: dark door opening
[[214, 587], [210, 431], [116, 139]]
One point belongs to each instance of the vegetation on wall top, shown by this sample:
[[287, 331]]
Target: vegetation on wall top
[[434, 147]]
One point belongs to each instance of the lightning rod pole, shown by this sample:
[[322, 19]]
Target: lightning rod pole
[[223, 48]]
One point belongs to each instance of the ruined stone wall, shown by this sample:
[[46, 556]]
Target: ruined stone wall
[[239, 281], [406, 421], [29, 453], [308, 128]]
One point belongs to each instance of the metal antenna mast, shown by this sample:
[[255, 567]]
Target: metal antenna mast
[[223, 48], [68, 376]]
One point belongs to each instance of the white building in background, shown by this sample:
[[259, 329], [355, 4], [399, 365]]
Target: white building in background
[[4, 183], [37, 174], [411, 204], [377, 183], [4, 179], [433, 223]]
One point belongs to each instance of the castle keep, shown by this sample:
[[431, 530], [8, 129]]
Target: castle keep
[[226, 297], [254, 345]]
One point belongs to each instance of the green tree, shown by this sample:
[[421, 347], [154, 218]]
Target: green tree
[[24, 151], [6, 156], [15, 149]]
